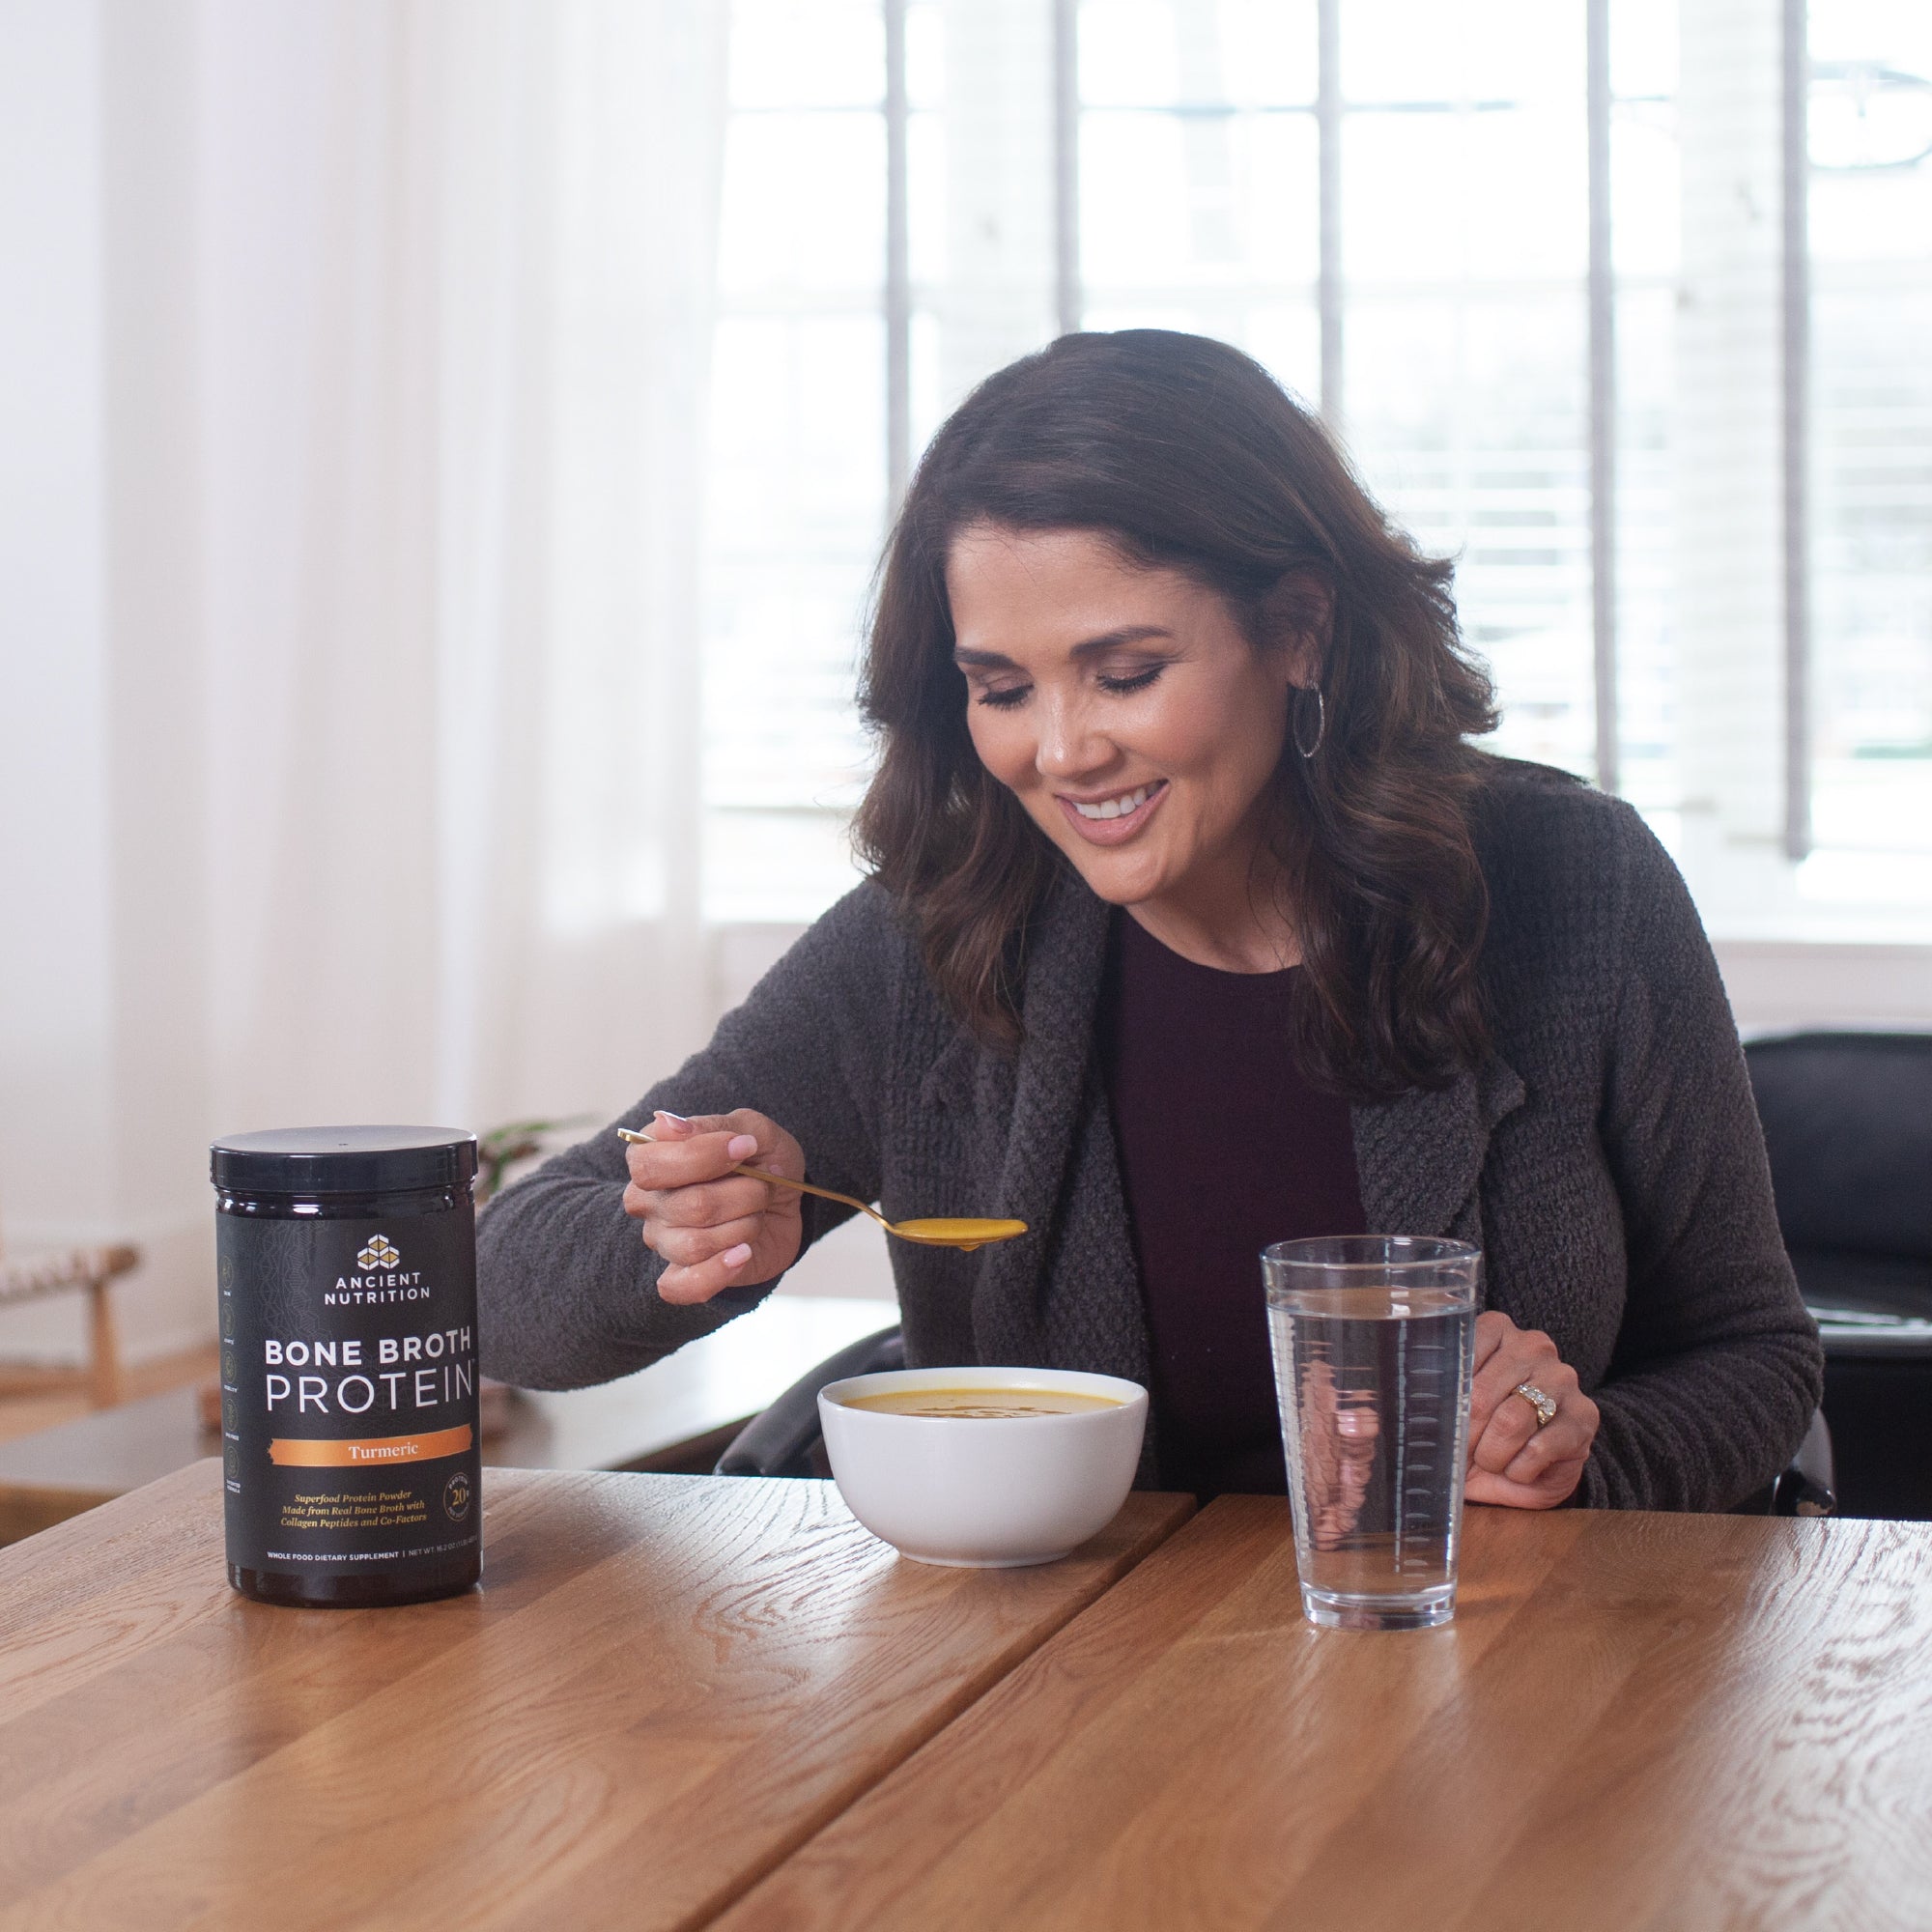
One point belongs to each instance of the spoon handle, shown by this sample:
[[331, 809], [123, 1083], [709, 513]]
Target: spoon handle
[[807, 1187], [780, 1180]]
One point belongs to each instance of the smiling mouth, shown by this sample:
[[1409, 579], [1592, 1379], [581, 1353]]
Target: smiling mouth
[[1114, 820], [1118, 807]]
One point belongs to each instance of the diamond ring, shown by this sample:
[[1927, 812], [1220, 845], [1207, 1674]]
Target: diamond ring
[[1544, 1405]]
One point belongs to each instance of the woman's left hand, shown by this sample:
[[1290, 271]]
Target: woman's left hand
[[1511, 1460]]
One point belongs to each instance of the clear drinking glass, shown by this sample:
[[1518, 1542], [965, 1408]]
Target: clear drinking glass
[[1373, 1347]]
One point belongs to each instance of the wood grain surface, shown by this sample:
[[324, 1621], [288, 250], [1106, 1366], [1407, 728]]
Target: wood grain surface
[[1634, 1722], [666, 1684], [690, 1397]]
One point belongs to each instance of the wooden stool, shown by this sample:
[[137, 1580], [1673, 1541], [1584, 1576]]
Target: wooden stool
[[62, 1271]]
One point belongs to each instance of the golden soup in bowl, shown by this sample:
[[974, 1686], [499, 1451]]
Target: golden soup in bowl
[[983, 1468]]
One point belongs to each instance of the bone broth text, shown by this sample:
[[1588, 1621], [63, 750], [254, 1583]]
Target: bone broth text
[[437, 1369]]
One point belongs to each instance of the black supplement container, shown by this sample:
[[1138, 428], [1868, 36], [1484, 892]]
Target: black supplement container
[[345, 1259]]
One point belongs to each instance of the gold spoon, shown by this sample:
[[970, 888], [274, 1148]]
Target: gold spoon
[[941, 1231]]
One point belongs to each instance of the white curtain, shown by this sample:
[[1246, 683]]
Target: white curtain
[[354, 381]]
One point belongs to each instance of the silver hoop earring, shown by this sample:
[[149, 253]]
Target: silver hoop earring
[[1301, 691]]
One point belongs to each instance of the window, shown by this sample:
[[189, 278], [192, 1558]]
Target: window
[[1457, 313], [797, 490], [1534, 258], [1870, 436]]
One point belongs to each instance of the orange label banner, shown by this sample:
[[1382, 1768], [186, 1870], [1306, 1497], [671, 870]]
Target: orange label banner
[[369, 1452]]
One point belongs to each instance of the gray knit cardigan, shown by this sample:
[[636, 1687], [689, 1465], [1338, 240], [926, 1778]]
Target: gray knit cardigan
[[1607, 1157]]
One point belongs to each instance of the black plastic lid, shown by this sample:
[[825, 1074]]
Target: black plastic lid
[[343, 1160]]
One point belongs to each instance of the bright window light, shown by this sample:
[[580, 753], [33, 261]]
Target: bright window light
[[1453, 329]]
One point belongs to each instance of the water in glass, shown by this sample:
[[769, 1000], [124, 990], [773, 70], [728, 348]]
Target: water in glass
[[1374, 1384]]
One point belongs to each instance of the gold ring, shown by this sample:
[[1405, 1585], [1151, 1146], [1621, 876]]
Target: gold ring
[[1544, 1405]]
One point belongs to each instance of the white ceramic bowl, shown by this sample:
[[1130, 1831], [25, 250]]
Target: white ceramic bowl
[[984, 1493]]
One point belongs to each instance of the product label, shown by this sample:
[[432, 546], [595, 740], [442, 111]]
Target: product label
[[348, 1392]]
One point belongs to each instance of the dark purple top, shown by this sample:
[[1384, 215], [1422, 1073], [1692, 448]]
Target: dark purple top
[[1224, 1147]]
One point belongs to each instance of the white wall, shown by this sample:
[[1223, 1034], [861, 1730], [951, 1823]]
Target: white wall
[[1780, 985]]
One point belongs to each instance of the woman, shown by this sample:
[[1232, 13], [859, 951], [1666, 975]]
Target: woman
[[1196, 922]]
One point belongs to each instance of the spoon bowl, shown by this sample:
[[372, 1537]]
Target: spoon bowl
[[957, 1232]]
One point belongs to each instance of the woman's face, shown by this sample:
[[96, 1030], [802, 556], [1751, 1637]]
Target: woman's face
[[1125, 709]]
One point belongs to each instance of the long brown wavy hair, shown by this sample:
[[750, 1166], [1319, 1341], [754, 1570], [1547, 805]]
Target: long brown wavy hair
[[1186, 455]]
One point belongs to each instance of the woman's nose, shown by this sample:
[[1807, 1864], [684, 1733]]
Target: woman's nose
[[1069, 746]]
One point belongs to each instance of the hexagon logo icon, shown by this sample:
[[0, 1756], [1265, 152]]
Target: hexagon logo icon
[[379, 1254]]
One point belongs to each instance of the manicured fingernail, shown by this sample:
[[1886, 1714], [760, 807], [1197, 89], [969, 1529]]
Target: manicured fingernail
[[736, 1258], [741, 1146], [676, 1119]]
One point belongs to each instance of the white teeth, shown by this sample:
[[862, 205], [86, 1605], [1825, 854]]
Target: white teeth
[[1115, 807]]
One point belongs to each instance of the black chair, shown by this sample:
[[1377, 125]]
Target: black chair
[[1848, 1122], [1810, 1482], [785, 1441]]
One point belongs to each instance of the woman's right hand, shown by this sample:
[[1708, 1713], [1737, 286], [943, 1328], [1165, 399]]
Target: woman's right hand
[[715, 1228]]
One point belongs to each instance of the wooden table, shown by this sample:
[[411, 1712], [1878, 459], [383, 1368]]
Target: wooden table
[[1634, 1722], [682, 1701], [675, 1410], [667, 1684]]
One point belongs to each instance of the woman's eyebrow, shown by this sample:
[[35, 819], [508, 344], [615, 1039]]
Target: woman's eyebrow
[[1107, 640]]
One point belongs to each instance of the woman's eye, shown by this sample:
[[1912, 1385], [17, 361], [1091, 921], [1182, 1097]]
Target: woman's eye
[[1133, 681], [1004, 699]]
